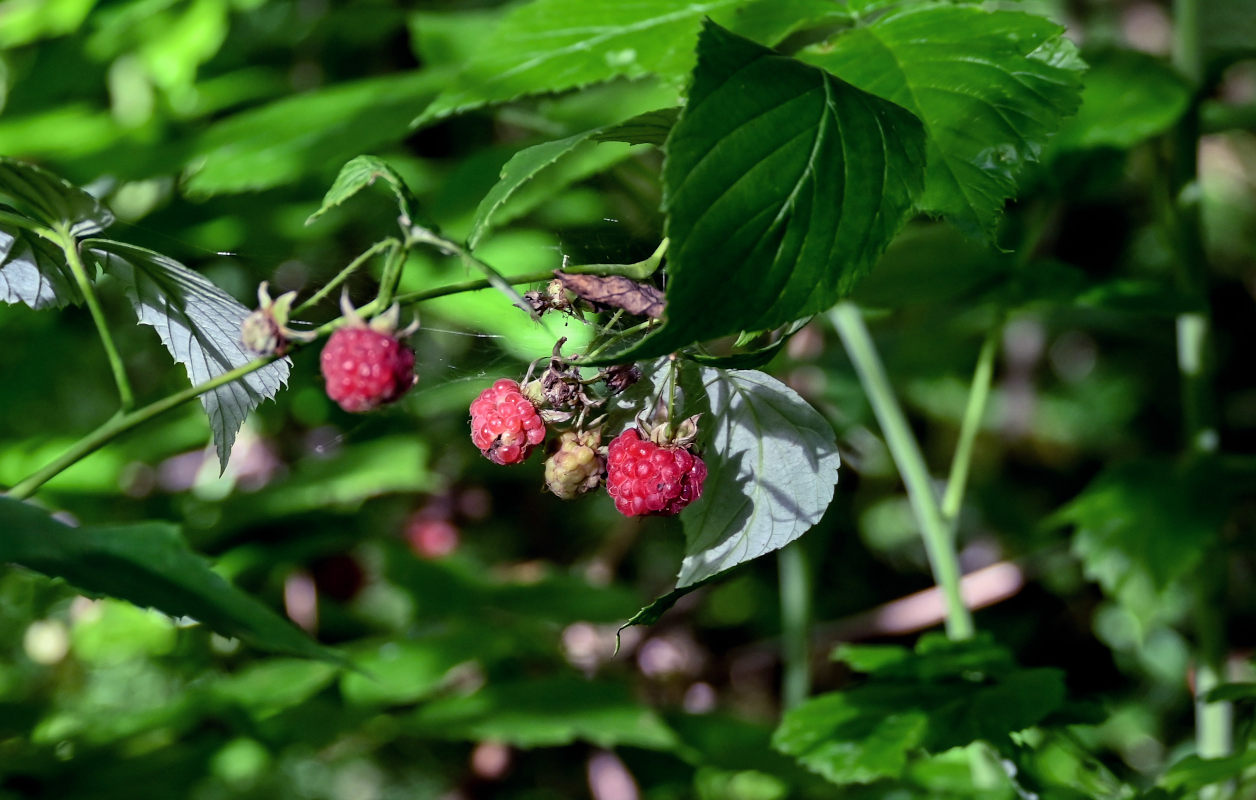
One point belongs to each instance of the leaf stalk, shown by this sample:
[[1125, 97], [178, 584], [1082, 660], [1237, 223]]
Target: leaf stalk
[[939, 542]]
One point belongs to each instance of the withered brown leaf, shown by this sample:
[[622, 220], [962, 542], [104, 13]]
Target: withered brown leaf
[[616, 291]]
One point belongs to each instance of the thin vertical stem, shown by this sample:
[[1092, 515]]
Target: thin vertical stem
[[75, 260], [795, 592], [939, 544], [1213, 721], [978, 394]]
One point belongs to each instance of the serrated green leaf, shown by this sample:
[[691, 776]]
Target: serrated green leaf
[[200, 326], [520, 169], [52, 201], [1128, 98], [991, 88], [32, 270], [1146, 519], [149, 564], [945, 695], [772, 462], [361, 172], [652, 127], [782, 185], [553, 45], [546, 712]]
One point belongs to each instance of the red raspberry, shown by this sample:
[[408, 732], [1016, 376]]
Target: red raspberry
[[646, 478], [505, 424], [365, 368]]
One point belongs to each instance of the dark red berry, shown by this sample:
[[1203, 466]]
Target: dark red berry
[[505, 424], [647, 478], [365, 368]]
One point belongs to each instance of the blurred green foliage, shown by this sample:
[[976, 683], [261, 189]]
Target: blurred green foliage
[[480, 613]]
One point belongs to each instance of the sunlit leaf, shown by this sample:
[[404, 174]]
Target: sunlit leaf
[[52, 201], [991, 88], [149, 564], [32, 270], [772, 462], [520, 169], [552, 45], [361, 172], [200, 325]]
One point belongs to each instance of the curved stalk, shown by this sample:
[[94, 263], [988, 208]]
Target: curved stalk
[[69, 246], [939, 544], [978, 394]]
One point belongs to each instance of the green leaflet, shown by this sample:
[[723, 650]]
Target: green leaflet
[[990, 87]]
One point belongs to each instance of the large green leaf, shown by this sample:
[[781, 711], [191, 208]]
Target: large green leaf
[[200, 325], [1146, 520], [553, 45], [991, 88], [782, 186], [149, 564], [772, 462], [944, 695]]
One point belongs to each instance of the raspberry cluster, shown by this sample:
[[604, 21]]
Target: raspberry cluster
[[365, 368], [647, 471], [505, 425], [647, 478]]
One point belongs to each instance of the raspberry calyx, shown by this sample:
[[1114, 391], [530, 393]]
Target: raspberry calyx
[[367, 365], [265, 331], [645, 477], [505, 424]]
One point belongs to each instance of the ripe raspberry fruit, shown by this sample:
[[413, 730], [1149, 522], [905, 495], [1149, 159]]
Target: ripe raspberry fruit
[[574, 466], [366, 364], [647, 478], [505, 424]]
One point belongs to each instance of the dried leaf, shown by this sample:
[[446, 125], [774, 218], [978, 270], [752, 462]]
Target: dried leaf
[[616, 291]]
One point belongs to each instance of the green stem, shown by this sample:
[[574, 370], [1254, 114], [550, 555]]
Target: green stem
[[1213, 721], [69, 246], [638, 271], [123, 422], [953, 498], [475, 285], [421, 235], [938, 541], [344, 274], [390, 279], [795, 591]]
